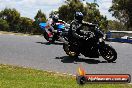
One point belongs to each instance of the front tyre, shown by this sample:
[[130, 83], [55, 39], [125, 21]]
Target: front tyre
[[50, 39], [108, 53], [69, 52]]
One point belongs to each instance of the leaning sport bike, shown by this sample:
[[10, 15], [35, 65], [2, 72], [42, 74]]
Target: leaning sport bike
[[92, 46], [62, 30]]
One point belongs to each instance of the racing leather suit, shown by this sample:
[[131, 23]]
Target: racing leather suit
[[75, 32], [76, 36]]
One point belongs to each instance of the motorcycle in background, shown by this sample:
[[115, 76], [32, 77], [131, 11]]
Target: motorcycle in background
[[62, 30]]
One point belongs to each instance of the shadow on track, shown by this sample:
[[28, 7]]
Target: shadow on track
[[47, 43], [67, 59]]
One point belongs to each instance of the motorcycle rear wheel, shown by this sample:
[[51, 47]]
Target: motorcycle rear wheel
[[108, 53], [69, 52]]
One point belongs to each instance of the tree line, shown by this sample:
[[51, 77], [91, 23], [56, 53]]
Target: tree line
[[122, 10], [11, 19]]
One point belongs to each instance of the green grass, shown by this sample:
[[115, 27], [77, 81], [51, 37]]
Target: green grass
[[18, 77]]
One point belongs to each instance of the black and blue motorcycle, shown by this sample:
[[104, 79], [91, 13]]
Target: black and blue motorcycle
[[93, 46]]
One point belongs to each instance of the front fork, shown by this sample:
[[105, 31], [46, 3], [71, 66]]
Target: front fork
[[101, 44]]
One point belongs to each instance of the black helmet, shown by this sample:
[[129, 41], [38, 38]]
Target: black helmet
[[55, 18], [79, 16]]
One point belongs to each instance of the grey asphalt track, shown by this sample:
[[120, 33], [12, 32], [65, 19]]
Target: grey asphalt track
[[34, 52]]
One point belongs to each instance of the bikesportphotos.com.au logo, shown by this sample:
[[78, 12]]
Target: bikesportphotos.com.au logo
[[83, 78]]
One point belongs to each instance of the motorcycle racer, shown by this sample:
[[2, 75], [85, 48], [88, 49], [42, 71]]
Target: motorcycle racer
[[75, 27], [51, 26], [77, 34]]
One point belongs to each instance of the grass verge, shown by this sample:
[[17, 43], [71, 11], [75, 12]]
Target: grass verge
[[18, 77]]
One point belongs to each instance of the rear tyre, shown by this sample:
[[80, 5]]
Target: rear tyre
[[108, 53], [69, 52]]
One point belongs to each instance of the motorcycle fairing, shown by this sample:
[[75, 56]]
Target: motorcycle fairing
[[43, 26]]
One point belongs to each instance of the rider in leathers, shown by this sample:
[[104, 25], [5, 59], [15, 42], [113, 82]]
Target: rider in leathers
[[52, 25], [75, 33], [75, 27]]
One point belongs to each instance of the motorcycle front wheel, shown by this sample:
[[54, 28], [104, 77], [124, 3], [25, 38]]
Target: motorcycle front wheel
[[108, 53], [50, 39], [46, 36]]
